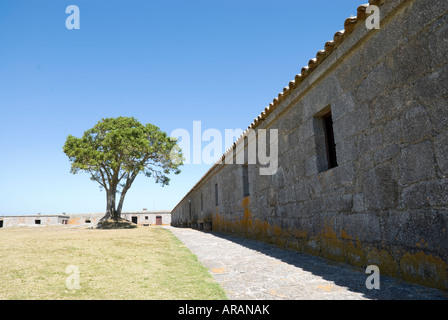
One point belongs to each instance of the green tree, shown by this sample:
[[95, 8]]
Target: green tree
[[116, 150]]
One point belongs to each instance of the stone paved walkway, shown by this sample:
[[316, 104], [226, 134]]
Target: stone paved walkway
[[253, 270]]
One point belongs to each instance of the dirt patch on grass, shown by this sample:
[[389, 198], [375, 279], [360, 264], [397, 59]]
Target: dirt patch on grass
[[116, 224]]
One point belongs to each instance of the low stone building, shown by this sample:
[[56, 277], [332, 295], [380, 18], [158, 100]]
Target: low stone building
[[142, 218], [90, 219], [362, 150], [33, 220], [148, 218]]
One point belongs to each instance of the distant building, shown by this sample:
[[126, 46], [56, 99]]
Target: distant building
[[32, 220], [141, 218], [148, 218]]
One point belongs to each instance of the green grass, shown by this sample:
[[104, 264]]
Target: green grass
[[142, 263]]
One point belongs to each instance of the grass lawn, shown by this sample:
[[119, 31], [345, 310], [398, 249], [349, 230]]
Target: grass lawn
[[141, 263]]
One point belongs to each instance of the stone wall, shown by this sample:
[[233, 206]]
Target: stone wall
[[32, 220], [386, 202], [85, 219], [144, 218], [149, 218]]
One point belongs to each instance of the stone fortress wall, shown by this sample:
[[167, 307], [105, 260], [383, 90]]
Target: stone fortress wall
[[385, 200]]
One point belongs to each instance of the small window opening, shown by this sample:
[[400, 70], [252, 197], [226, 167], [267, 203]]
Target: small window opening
[[245, 180], [329, 140], [216, 194], [189, 208], [202, 203], [37, 221]]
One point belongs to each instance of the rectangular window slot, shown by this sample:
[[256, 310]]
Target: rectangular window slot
[[245, 180], [329, 141], [216, 195]]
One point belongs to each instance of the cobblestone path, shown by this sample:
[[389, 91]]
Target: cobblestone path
[[254, 270]]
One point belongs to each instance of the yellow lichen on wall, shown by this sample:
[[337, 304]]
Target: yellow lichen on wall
[[384, 259], [413, 265], [340, 246]]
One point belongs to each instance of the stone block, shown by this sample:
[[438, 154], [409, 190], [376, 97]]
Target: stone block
[[373, 85], [441, 150], [416, 124], [423, 229], [426, 194], [416, 163], [339, 203], [439, 115], [344, 174], [272, 199], [380, 188], [411, 60], [302, 190], [293, 139], [342, 105], [370, 142], [358, 202], [438, 42], [351, 124], [278, 179], [311, 166], [286, 195], [315, 185], [421, 14], [392, 132], [347, 150], [364, 227], [306, 129], [386, 153], [433, 86]]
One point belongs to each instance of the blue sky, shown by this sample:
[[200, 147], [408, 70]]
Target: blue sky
[[165, 62]]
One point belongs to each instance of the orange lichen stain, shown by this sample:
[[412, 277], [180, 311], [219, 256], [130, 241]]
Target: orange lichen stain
[[327, 287], [277, 231], [384, 260], [74, 221], [328, 231], [219, 270], [246, 223], [424, 269], [273, 292], [245, 204], [422, 243], [345, 235]]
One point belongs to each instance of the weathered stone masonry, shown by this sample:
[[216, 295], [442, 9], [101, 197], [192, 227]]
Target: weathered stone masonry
[[386, 201]]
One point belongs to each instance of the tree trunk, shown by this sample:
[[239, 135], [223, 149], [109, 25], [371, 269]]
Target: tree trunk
[[111, 205], [120, 203], [128, 184]]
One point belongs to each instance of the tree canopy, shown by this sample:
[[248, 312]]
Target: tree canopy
[[116, 150]]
